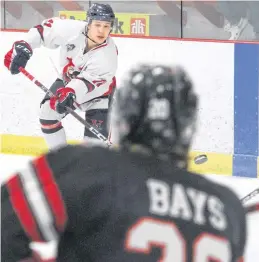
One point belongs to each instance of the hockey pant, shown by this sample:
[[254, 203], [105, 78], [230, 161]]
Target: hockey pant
[[96, 113]]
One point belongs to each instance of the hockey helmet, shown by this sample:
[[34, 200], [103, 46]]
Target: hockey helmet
[[102, 12], [155, 107]]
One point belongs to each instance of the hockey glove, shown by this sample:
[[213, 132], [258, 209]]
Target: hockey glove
[[65, 97], [18, 56]]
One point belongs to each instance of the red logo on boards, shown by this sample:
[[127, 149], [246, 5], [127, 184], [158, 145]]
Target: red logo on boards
[[138, 26]]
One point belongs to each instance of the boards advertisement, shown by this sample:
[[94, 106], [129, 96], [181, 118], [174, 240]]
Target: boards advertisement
[[125, 23]]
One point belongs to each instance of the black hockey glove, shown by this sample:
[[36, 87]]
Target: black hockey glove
[[18, 56]]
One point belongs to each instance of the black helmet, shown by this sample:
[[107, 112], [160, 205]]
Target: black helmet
[[102, 12], [155, 107]]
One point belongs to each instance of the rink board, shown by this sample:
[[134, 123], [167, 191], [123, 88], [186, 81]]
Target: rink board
[[220, 164], [21, 98], [228, 108]]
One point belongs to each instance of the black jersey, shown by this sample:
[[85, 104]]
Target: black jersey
[[100, 205]]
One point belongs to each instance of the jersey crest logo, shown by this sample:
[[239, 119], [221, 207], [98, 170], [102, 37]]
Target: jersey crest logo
[[70, 47]]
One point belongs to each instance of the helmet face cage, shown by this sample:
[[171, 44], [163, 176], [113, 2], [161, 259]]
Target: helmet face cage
[[156, 107], [101, 12]]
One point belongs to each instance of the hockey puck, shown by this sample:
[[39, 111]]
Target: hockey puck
[[200, 159]]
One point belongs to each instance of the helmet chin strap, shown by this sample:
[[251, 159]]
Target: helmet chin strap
[[86, 34], [91, 39]]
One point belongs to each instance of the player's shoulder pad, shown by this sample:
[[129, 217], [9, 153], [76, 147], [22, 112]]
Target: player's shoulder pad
[[236, 214], [111, 41], [69, 26], [224, 193], [228, 196], [69, 155], [64, 20]]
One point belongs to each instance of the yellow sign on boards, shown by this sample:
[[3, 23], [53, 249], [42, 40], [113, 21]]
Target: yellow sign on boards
[[125, 23]]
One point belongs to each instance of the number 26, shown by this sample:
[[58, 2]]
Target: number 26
[[148, 233]]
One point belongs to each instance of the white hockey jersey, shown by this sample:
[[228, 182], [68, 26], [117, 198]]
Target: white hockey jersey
[[96, 68]]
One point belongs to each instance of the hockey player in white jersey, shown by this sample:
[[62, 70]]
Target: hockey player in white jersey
[[88, 61]]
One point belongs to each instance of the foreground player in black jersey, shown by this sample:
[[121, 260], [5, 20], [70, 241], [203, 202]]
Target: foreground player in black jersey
[[134, 203]]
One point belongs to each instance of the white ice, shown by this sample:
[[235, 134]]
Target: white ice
[[11, 163]]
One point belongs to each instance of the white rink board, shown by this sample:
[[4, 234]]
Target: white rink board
[[211, 66]]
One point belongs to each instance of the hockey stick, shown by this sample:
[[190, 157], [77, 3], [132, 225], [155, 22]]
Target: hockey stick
[[249, 196], [70, 110]]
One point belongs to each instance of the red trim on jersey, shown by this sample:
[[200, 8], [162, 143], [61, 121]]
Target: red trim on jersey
[[68, 65], [88, 84], [40, 29], [51, 126], [99, 82], [22, 209], [100, 46], [112, 85], [51, 191]]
